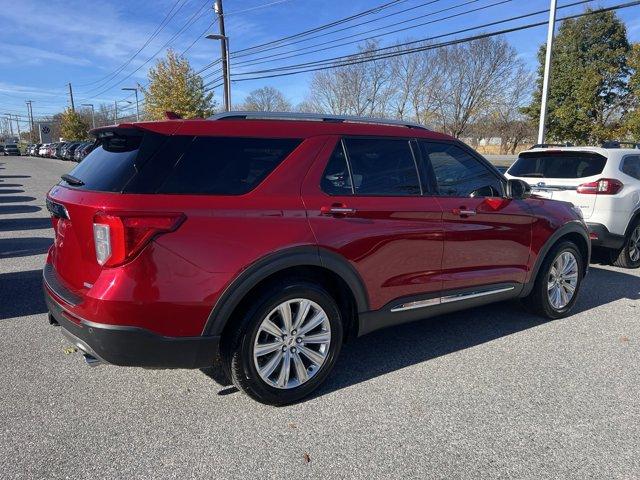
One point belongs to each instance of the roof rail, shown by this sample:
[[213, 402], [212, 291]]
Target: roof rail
[[550, 145], [317, 117], [618, 144]]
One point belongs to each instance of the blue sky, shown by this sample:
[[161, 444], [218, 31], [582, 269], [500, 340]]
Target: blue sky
[[45, 44]]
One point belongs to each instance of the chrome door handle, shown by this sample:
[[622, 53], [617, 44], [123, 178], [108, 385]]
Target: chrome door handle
[[463, 212], [338, 211]]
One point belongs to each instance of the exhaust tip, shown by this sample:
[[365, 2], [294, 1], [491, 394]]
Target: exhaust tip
[[91, 360]]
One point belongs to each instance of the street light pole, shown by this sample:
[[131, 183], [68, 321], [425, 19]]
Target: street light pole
[[10, 123], [93, 113], [542, 127], [30, 111], [224, 46], [137, 105]]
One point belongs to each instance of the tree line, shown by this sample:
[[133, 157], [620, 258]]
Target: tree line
[[475, 90]]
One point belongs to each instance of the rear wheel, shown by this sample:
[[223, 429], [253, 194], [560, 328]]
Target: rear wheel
[[629, 256], [558, 282], [287, 344]]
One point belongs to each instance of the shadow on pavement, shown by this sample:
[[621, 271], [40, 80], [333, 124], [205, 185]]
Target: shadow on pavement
[[17, 199], [398, 347], [17, 224], [11, 209], [22, 247], [2, 185], [10, 190], [21, 294], [15, 176]]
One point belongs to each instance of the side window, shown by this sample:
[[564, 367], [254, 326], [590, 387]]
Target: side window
[[382, 167], [226, 166], [631, 166], [459, 174], [336, 179]]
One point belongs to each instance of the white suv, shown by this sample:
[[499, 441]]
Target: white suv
[[604, 182]]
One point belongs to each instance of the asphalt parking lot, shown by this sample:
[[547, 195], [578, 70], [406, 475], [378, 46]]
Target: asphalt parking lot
[[491, 392]]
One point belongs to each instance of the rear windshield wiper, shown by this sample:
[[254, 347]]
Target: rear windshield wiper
[[540, 175], [71, 180]]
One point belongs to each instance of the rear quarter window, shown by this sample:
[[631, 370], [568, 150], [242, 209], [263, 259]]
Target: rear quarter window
[[558, 165], [225, 166]]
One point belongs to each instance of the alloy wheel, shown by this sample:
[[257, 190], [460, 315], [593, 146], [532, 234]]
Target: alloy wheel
[[563, 280], [292, 343]]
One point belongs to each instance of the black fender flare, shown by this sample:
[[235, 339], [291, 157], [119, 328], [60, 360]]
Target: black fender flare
[[574, 226], [270, 264]]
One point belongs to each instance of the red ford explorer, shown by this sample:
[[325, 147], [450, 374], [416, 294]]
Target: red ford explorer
[[259, 243]]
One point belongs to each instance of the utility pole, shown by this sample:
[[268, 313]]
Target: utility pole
[[30, 112], [115, 112], [224, 46], [542, 127], [73, 107], [10, 123], [93, 113], [18, 125], [137, 105]]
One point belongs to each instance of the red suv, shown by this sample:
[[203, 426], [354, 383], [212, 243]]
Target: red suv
[[261, 243]]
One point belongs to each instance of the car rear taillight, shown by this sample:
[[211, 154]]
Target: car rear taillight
[[118, 238], [604, 186]]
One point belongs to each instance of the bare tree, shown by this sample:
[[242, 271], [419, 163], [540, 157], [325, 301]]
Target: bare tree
[[360, 89], [266, 99]]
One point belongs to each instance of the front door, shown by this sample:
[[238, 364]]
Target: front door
[[364, 201], [487, 237]]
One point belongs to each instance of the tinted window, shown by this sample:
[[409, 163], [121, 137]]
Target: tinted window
[[558, 165], [458, 173], [226, 166], [631, 166], [382, 167], [336, 179], [110, 166]]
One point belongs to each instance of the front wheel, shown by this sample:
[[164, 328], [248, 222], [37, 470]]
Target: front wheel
[[287, 344], [558, 282], [629, 256]]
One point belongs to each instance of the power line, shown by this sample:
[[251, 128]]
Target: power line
[[337, 45], [167, 18], [250, 9], [349, 27], [443, 44], [194, 18], [377, 9], [330, 61]]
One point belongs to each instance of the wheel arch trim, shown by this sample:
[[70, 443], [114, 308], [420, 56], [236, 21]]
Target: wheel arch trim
[[568, 228], [303, 256]]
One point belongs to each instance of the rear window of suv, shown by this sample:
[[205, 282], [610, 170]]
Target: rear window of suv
[[558, 165], [151, 163]]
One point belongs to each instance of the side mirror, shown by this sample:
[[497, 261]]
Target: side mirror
[[517, 189]]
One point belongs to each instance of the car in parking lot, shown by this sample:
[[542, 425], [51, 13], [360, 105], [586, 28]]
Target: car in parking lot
[[604, 182], [260, 242], [11, 149], [82, 151]]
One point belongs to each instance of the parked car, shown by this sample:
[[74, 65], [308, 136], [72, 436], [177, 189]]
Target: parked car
[[43, 149], [604, 182], [71, 150], [2, 149], [57, 152], [260, 242], [82, 151], [11, 149], [36, 149]]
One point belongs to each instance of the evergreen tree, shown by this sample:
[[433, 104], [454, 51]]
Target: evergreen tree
[[588, 92], [73, 126]]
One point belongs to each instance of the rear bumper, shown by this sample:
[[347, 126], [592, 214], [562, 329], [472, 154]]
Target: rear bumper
[[133, 346], [602, 237]]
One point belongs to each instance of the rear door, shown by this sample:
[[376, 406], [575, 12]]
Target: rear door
[[364, 201], [487, 237], [556, 174]]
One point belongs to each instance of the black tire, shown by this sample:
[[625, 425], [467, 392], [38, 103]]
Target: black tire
[[238, 350], [622, 258], [538, 300]]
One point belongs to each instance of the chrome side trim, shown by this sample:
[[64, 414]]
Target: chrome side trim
[[466, 296], [418, 304], [449, 299]]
